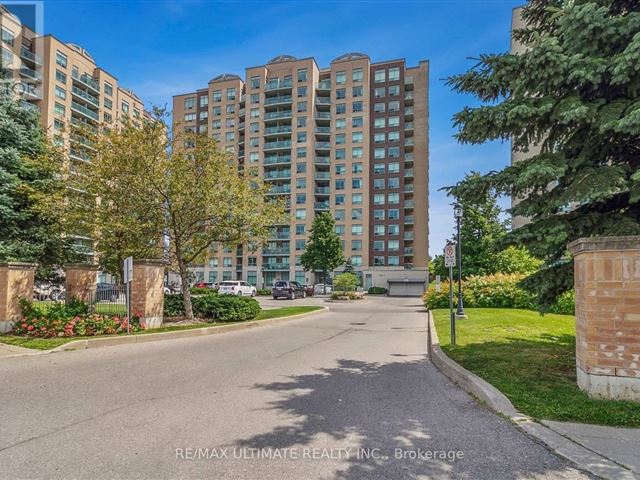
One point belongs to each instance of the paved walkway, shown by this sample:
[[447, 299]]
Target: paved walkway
[[8, 350], [620, 445]]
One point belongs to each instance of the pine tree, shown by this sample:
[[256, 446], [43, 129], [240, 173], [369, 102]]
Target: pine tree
[[323, 251], [575, 93]]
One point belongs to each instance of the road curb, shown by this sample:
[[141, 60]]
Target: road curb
[[161, 336], [584, 458]]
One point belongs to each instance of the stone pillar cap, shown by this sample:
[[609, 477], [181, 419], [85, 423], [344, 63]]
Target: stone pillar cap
[[81, 266], [592, 244], [19, 265], [149, 261]]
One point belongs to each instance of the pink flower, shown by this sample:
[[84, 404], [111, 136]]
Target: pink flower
[[30, 327]]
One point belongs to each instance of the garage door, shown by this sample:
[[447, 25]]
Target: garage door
[[406, 289]]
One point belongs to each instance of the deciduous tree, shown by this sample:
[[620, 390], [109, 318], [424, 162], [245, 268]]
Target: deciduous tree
[[323, 251]]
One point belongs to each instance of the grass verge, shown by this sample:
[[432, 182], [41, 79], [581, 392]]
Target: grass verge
[[531, 359], [49, 343]]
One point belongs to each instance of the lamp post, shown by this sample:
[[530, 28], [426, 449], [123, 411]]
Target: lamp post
[[457, 213]]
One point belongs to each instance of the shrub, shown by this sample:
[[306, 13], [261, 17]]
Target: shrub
[[345, 282], [173, 305], [202, 291], [54, 311], [264, 292], [565, 304], [377, 291], [212, 306], [500, 290], [345, 296]]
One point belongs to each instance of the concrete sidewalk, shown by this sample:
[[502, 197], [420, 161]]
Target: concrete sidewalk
[[620, 445], [7, 350]]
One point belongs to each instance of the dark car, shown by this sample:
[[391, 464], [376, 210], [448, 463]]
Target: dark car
[[308, 290], [288, 290], [107, 292]]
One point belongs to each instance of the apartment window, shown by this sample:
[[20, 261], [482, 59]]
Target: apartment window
[[254, 142], [378, 261], [302, 106], [358, 91], [340, 138], [356, 167], [302, 75], [302, 91], [217, 96], [216, 136], [378, 230], [301, 122], [7, 57], [357, 107], [394, 106], [339, 215], [213, 263], [227, 262], [108, 89], [394, 167], [108, 118], [356, 152], [301, 214], [61, 59], [394, 152], [230, 136], [339, 199], [226, 275], [254, 113], [301, 198], [254, 157], [394, 214], [341, 169], [379, 168], [340, 154], [339, 184], [378, 214], [254, 98], [394, 74], [8, 37], [393, 198], [356, 245], [125, 109], [356, 214], [378, 199], [301, 183], [61, 76], [61, 93], [356, 75], [394, 182], [216, 124], [255, 82], [301, 137], [216, 111], [378, 246], [339, 229], [380, 122], [231, 93], [379, 138], [356, 137], [380, 92], [356, 198], [189, 103], [379, 108], [341, 123], [356, 183], [230, 122], [300, 229], [357, 122], [394, 90], [393, 261], [379, 153], [356, 260], [59, 109], [301, 152], [394, 136], [341, 78], [341, 108], [204, 115], [204, 101], [379, 76], [301, 167], [379, 184], [356, 229], [394, 121], [231, 109], [58, 125]]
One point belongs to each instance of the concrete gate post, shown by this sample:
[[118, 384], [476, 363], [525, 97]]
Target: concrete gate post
[[147, 291], [80, 281], [16, 282], [607, 284]]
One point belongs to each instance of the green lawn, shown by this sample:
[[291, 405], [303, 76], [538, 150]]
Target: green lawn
[[49, 343], [531, 359]]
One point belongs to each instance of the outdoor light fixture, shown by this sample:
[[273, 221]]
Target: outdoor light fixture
[[457, 213]]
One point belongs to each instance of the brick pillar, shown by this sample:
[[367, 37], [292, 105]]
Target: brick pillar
[[607, 283], [16, 282], [147, 291], [80, 281]]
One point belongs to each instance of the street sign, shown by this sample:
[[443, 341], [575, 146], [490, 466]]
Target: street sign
[[450, 255], [128, 269]]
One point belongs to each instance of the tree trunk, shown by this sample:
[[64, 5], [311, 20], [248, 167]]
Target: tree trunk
[[186, 293], [324, 280]]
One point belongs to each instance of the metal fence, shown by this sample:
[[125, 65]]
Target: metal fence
[[104, 299]]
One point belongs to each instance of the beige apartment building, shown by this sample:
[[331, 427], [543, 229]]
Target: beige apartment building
[[351, 138], [73, 94]]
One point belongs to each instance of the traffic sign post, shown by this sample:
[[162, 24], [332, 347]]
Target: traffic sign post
[[450, 261], [128, 278]]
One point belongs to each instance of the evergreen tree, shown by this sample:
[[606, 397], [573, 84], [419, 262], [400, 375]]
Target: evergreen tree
[[575, 93], [30, 169], [348, 267], [323, 251]]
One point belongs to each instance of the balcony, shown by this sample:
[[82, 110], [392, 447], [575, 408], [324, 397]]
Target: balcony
[[408, 113], [323, 117], [321, 206], [278, 100], [79, 155], [408, 126], [30, 73], [408, 98], [277, 115], [323, 131], [29, 56], [83, 126], [408, 220], [322, 190], [276, 251], [408, 83], [323, 145], [276, 266], [276, 85], [277, 175], [323, 86], [408, 236], [408, 142], [278, 160], [408, 204], [322, 176], [280, 190], [280, 145], [408, 157], [76, 107], [323, 101], [408, 173], [408, 188], [87, 81], [83, 141], [408, 251], [78, 93], [277, 130], [322, 161]]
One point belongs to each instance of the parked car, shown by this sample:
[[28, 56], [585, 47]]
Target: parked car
[[319, 289], [239, 288], [107, 292], [48, 291], [204, 285], [309, 290], [290, 290]]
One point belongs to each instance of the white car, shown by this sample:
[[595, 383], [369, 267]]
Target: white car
[[241, 289]]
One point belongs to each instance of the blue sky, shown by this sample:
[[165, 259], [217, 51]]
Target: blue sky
[[160, 48]]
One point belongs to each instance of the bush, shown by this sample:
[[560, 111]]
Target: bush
[[263, 292], [345, 296], [54, 311], [345, 282], [173, 305], [565, 304], [500, 290], [202, 291], [377, 291], [224, 308]]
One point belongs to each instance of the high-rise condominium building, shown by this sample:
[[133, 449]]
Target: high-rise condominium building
[[351, 139], [63, 82]]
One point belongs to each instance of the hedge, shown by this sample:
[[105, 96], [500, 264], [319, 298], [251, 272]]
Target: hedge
[[377, 291], [223, 308], [500, 290]]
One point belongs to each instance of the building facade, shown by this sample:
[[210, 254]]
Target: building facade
[[72, 93], [351, 138]]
